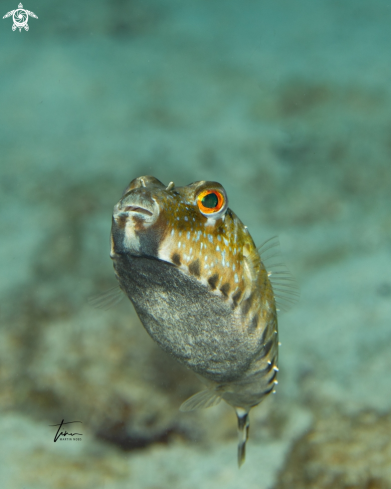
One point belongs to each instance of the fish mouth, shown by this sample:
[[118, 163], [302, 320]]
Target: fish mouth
[[138, 209], [139, 206]]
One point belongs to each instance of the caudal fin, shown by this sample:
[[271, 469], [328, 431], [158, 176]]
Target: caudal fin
[[243, 427]]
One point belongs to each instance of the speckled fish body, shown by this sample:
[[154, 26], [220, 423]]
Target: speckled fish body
[[197, 282]]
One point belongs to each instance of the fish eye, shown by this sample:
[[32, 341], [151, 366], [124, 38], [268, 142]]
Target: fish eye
[[210, 201]]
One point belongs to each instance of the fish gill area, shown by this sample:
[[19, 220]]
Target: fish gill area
[[287, 105]]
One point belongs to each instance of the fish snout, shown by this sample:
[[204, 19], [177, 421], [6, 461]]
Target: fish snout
[[137, 206]]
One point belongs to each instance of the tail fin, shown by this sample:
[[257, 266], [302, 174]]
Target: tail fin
[[243, 427]]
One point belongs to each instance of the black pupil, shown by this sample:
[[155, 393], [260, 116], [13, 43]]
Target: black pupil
[[210, 201]]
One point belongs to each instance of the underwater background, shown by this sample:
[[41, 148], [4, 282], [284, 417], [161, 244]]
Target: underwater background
[[287, 103]]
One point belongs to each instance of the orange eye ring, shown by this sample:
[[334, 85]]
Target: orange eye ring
[[210, 201]]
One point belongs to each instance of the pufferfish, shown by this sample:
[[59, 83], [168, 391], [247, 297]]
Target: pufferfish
[[201, 290]]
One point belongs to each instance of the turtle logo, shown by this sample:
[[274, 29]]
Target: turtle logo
[[20, 17]]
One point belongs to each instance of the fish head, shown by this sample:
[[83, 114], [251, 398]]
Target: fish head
[[190, 227]]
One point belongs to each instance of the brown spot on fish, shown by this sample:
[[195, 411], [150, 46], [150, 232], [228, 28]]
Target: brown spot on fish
[[212, 281], [225, 289], [235, 298], [264, 335], [176, 259], [267, 368], [253, 324], [138, 222], [194, 268], [247, 304], [268, 391], [265, 349], [121, 221], [273, 376]]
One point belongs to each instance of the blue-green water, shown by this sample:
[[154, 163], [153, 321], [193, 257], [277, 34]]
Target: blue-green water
[[288, 105]]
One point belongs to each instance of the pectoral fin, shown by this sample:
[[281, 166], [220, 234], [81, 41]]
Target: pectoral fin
[[108, 299], [201, 400]]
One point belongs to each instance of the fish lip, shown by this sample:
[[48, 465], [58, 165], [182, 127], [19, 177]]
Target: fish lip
[[138, 209], [139, 206]]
